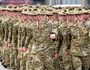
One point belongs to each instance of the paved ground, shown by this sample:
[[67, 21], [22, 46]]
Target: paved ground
[[1, 67]]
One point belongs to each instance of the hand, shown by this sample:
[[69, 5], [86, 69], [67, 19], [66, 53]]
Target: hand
[[57, 55]]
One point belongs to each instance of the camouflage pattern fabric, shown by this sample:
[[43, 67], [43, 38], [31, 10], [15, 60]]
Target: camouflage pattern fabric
[[43, 42]]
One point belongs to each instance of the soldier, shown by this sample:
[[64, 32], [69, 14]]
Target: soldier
[[2, 39], [17, 59], [58, 62], [5, 45], [14, 51], [67, 58], [27, 48], [23, 59], [10, 39], [75, 48], [84, 47]]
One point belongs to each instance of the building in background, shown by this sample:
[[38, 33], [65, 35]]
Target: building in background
[[85, 3], [61, 2], [17, 2], [38, 1], [48, 2]]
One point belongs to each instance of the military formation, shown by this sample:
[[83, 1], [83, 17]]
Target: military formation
[[40, 37]]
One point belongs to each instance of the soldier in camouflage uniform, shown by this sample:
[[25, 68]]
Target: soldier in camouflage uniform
[[85, 47], [17, 59], [79, 46], [46, 44], [1, 40], [14, 51], [28, 48], [23, 57], [5, 46], [36, 63], [10, 40]]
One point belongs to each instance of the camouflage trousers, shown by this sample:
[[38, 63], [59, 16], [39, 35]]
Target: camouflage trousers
[[72, 63]]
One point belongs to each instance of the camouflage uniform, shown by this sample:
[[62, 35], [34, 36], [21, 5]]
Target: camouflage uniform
[[84, 48], [1, 48], [2, 39], [36, 63], [17, 59], [27, 45], [23, 56], [5, 46], [79, 46], [14, 51]]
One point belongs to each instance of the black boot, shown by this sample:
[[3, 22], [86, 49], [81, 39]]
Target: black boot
[[5, 66], [0, 60]]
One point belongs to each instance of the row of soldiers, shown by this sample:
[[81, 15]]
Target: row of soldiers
[[14, 40], [50, 45]]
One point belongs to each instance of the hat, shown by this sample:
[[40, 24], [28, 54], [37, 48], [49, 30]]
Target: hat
[[9, 7], [85, 10], [19, 8]]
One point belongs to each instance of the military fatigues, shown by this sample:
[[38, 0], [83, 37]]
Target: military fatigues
[[38, 37], [79, 46]]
